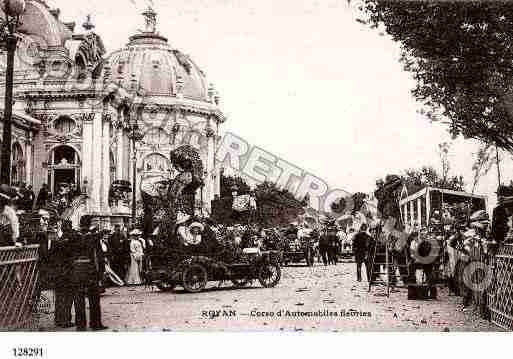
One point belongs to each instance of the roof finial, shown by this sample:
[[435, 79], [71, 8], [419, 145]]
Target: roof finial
[[150, 17], [88, 25]]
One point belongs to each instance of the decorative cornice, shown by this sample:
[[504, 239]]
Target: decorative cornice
[[87, 117], [107, 116]]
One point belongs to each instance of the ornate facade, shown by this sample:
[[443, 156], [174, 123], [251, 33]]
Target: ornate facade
[[77, 109]]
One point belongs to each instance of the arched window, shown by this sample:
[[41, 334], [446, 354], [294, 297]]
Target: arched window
[[157, 136], [18, 164], [156, 163], [64, 155], [64, 124]]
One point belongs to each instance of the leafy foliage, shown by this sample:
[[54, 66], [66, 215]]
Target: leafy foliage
[[352, 204], [460, 54], [427, 176], [486, 157], [277, 206], [267, 191]]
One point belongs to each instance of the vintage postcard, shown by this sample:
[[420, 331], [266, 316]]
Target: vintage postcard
[[247, 166]]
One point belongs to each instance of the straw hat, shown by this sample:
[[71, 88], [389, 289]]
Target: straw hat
[[135, 232], [198, 225]]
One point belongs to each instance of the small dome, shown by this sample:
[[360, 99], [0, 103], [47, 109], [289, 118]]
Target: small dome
[[157, 68], [41, 25]]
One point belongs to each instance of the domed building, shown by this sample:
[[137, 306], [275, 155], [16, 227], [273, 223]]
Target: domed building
[[88, 118]]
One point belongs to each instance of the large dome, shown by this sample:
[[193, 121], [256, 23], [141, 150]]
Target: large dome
[[157, 68]]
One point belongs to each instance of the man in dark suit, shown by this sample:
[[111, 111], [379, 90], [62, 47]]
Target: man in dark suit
[[116, 242], [86, 274], [361, 243], [325, 243], [61, 258], [44, 265]]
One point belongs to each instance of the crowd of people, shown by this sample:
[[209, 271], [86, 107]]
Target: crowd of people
[[26, 199], [80, 263], [71, 262]]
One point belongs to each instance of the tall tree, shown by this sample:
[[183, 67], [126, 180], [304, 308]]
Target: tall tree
[[460, 54], [443, 152], [427, 176], [277, 206], [486, 157]]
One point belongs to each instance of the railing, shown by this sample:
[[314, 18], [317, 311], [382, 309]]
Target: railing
[[500, 297], [18, 285]]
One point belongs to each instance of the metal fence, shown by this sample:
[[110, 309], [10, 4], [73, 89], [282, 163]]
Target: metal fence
[[18, 285], [500, 297]]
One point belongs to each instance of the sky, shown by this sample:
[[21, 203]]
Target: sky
[[302, 80]]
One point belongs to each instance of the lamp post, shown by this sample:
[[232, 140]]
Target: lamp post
[[135, 135], [13, 10]]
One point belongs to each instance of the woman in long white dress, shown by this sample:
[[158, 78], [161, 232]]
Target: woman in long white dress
[[133, 276]]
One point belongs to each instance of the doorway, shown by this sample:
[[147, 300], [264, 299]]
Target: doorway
[[63, 176], [64, 168]]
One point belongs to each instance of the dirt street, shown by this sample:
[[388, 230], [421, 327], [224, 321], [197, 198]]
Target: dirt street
[[307, 299]]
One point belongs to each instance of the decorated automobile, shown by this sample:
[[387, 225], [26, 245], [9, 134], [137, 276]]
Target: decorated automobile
[[298, 246], [346, 249], [193, 271]]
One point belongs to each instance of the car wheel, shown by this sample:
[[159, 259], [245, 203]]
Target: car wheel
[[194, 278], [269, 275]]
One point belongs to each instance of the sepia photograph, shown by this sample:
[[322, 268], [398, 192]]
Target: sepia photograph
[[286, 167]]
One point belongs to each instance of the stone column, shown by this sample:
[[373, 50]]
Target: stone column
[[96, 175], [210, 176], [87, 155], [107, 117], [217, 181], [131, 159], [419, 210], [428, 206], [412, 213], [119, 153], [126, 156], [28, 160]]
